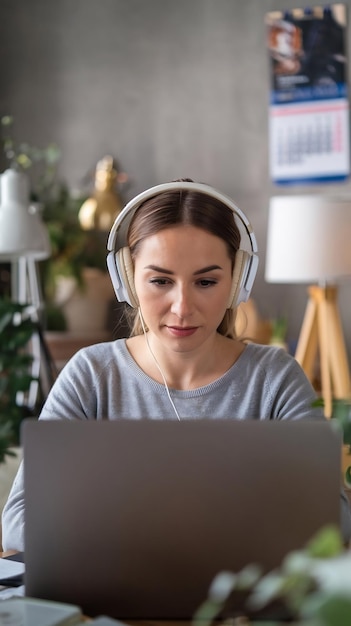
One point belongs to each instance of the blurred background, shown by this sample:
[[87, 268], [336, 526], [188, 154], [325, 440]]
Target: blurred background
[[168, 89]]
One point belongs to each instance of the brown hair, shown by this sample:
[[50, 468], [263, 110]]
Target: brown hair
[[191, 208]]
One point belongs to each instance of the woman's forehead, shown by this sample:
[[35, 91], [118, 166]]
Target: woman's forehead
[[181, 240], [180, 232]]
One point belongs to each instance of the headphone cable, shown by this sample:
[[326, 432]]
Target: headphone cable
[[158, 365]]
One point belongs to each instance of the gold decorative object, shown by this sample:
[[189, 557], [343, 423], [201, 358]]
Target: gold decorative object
[[100, 210]]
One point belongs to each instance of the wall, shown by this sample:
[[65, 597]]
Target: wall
[[170, 88]]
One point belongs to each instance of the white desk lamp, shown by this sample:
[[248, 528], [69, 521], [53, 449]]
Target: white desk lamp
[[23, 237], [24, 240], [309, 241]]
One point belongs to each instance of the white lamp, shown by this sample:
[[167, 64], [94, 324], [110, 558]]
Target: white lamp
[[23, 237], [24, 240], [309, 241], [22, 233]]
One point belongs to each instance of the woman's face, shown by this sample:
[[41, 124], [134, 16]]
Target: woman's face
[[183, 279]]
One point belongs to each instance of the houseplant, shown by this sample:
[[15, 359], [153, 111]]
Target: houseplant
[[16, 330], [279, 330], [16, 377], [72, 249], [313, 586], [73, 253]]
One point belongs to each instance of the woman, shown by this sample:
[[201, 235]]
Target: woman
[[175, 257]]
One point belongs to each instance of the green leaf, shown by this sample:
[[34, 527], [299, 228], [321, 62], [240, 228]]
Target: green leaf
[[326, 543], [207, 613], [16, 359], [335, 611], [6, 120], [23, 160], [348, 476]]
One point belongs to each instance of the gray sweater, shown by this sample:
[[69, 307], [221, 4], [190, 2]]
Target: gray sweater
[[104, 382]]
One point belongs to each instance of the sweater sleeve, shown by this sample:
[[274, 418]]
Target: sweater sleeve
[[71, 397], [13, 515]]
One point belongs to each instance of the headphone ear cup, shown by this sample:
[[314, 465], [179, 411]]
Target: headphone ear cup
[[126, 272], [241, 268]]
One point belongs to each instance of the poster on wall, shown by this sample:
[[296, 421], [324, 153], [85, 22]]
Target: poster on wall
[[309, 105]]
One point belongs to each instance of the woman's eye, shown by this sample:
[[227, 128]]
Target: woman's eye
[[159, 281], [206, 282]]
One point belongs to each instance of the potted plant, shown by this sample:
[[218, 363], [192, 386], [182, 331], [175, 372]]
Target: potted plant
[[16, 377], [77, 255], [77, 258]]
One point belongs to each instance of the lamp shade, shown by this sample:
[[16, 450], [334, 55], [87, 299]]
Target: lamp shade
[[22, 232], [308, 239]]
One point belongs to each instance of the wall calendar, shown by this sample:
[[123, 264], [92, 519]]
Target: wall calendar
[[309, 106]]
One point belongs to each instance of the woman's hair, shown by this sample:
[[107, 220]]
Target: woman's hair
[[191, 208]]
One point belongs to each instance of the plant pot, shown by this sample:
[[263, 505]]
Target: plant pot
[[86, 309]]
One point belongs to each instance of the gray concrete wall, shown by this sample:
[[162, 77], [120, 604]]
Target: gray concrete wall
[[170, 88]]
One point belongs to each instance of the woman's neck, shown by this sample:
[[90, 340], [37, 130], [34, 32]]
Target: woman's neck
[[185, 370]]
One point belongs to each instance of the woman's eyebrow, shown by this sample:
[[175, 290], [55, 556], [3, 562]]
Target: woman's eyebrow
[[210, 268], [155, 268], [162, 270]]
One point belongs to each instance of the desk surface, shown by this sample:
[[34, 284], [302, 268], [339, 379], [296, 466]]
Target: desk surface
[[7, 553]]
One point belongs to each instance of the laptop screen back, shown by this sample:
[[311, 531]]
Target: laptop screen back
[[133, 519]]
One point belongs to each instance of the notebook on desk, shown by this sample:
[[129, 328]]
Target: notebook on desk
[[133, 519]]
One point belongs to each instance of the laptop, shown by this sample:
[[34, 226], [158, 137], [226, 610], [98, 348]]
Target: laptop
[[134, 518]]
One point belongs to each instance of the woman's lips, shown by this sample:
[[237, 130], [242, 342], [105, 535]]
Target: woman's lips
[[179, 331]]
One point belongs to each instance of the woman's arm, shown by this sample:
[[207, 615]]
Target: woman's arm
[[13, 516]]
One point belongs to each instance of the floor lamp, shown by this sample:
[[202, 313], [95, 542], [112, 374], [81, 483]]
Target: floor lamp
[[24, 241], [309, 242]]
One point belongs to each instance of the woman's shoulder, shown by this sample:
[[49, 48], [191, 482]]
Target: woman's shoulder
[[268, 351], [99, 354], [92, 367], [271, 358]]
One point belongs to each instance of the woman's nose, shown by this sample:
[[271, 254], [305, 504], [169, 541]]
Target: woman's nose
[[182, 304]]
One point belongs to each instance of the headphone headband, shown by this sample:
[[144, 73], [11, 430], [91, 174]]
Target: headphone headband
[[118, 234], [120, 264]]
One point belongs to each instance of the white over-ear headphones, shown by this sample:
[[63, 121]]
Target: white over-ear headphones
[[119, 260]]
